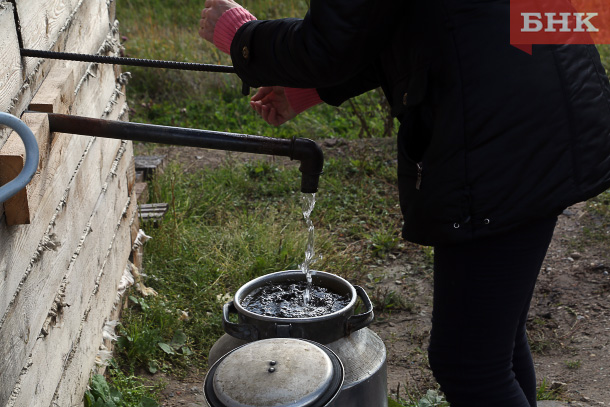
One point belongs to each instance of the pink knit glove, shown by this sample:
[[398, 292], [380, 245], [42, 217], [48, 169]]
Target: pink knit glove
[[302, 99], [226, 27]]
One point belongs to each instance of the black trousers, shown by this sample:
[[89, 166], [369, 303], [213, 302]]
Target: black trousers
[[478, 351]]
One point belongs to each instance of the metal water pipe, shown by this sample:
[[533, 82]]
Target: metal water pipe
[[304, 150], [31, 156]]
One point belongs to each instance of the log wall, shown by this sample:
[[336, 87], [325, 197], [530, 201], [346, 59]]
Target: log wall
[[66, 240]]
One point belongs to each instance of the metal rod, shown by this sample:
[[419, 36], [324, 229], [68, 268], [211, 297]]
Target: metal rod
[[305, 150], [104, 59]]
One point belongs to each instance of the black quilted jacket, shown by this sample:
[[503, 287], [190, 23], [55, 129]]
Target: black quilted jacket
[[490, 136]]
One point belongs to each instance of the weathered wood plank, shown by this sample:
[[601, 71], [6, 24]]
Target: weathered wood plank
[[95, 92], [15, 208], [150, 165], [56, 95], [81, 359], [131, 175], [41, 22], [10, 68], [142, 192], [37, 292], [84, 31], [12, 158], [33, 269], [66, 155], [89, 32], [154, 211], [39, 381], [137, 252], [20, 243], [36, 282], [112, 10]]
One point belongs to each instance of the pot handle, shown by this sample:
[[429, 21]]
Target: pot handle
[[246, 332], [356, 322]]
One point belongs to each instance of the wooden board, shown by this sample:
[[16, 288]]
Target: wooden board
[[19, 243], [81, 361], [51, 352], [150, 165], [61, 245], [36, 283], [84, 30], [153, 211], [112, 10], [42, 21], [56, 95], [131, 175], [67, 154], [12, 159], [142, 192], [10, 68], [37, 292]]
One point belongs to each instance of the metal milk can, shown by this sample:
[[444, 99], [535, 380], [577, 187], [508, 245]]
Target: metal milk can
[[360, 351]]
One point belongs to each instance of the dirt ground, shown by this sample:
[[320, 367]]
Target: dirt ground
[[569, 322], [568, 325]]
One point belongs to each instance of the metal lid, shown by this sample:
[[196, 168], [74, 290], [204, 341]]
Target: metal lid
[[280, 372]]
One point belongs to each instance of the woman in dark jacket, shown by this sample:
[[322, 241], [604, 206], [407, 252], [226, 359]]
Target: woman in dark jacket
[[494, 143]]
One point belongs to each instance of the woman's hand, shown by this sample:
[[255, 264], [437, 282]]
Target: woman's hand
[[210, 15], [273, 106]]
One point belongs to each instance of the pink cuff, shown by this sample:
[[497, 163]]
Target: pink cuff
[[227, 25], [302, 99]]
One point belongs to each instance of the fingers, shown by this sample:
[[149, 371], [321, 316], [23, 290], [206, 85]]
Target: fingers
[[265, 113], [207, 23], [272, 117], [202, 24], [257, 106], [213, 10], [268, 113], [206, 30], [261, 93]]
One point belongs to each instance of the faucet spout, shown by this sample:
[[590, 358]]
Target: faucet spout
[[306, 151], [309, 153]]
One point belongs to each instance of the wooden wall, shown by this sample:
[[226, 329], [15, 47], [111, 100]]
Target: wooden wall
[[66, 243]]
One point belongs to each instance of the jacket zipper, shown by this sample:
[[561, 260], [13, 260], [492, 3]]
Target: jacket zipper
[[420, 169]]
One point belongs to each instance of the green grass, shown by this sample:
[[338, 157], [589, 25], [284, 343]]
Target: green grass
[[122, 391], [168, 31], [231, 224], [546, 391], [598, 218]]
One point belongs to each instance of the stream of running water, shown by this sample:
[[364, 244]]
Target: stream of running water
[[309, 202]]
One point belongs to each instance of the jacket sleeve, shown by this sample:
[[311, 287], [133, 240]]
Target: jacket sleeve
[[354, 86], [335, 42]]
